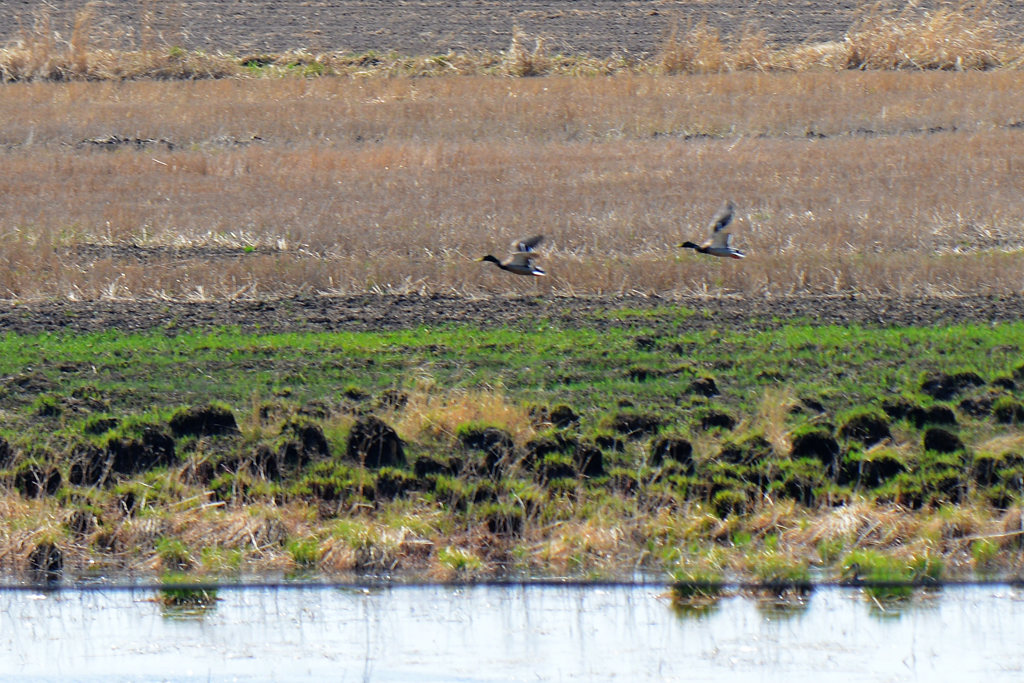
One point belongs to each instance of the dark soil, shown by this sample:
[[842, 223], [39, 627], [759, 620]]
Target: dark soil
[[309, 313], [204, 421], [596, 27], [375, 444]]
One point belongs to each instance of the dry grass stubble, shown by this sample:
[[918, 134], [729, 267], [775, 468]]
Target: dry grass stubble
[[396, 186]]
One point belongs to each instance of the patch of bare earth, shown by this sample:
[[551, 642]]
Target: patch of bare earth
[[370, 312]]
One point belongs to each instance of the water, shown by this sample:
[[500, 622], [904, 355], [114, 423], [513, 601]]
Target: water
[[501, 633]]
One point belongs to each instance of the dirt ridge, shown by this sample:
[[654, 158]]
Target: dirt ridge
[[321, 313]]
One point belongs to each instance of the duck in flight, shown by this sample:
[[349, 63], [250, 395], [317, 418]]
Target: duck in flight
[[521, 261], [719, 243]]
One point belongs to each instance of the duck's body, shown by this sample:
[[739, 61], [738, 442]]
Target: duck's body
[[720, 242], [521, 261]]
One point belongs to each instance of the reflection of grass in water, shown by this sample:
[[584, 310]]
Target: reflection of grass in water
[[787, 584], [696, 591], [785, 605], [695, 608], [892, 580], [181, 600], [920, 599]]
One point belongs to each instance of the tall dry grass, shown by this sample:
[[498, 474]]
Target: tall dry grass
[[885, 36], [92, 49], [698, 48], [435, 413], [868, 182], [950, 37]]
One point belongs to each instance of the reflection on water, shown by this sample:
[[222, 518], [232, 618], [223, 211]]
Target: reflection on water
[[528, 633], [785, 605], [186, 603]]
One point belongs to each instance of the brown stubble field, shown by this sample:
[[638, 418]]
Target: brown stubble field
[[867, 182]]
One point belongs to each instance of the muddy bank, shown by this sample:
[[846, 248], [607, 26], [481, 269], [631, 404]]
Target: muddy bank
[[390, 312]]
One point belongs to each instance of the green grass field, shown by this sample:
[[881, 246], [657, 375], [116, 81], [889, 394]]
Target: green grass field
[[642, 360], [549, 448]]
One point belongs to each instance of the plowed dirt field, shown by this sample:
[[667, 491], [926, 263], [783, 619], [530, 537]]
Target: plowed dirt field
[[596, 27], [393, 312]]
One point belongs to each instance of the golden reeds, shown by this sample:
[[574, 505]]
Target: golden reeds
[[435, 413], [948, 37]]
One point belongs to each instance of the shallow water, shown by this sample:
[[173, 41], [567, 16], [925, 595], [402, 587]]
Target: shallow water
[[509, 633]]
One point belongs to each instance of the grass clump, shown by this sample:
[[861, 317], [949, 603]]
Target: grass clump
[[219, 560], [365, 545], [891, 577], [830, 550], [521, 61], [950, 38], [173, 554], [1008, 410], [459, 561], [866, 426], [775, 569], [984, 553], [729, 502], [433, 412], [696, 48], [304, 552], [502, 519]]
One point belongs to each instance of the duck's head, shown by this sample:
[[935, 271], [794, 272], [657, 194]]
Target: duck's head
[[489, 258]]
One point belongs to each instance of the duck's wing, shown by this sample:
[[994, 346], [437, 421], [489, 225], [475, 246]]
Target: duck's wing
[[719, 236], [527, 245], [721, 219]]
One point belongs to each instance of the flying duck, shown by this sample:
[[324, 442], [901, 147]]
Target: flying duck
[[521, 261], [718, 245]]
